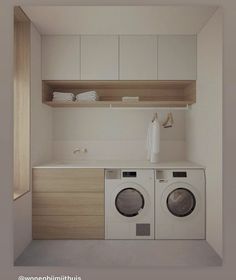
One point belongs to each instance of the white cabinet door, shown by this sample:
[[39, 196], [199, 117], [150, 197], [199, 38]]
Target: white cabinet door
[[138, 57], [177, 55], [60, 57], [99, 57]]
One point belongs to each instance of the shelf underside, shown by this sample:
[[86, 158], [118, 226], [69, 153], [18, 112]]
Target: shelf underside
[[150, 93], [116, 104]]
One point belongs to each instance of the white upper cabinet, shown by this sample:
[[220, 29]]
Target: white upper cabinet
[[60, 57], [138, 57], [99, 57], [177, 56], [112, 57]]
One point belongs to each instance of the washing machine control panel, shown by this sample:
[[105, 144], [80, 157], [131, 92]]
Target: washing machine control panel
[[129, 174]]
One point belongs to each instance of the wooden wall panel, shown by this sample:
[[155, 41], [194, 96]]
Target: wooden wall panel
[[21, 103]]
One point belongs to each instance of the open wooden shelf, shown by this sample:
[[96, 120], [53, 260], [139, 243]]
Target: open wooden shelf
[[118, 104], [151, 93]]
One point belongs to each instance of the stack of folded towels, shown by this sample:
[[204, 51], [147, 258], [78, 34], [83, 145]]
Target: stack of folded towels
[[63, 96], [87, 96]]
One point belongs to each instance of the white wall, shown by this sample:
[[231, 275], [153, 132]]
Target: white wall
[[126, 19], [41, 141], [41, 114], [113, 133], [204, 124]]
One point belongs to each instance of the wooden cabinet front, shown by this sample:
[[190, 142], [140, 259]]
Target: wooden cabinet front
[[68, 180], [68, 227], [68, 203]]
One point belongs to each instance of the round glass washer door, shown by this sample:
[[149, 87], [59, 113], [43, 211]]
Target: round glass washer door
[[129, 202], [181, 202]]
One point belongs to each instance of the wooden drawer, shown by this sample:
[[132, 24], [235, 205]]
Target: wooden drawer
[[68, 204], [68, 180], [68, 227]]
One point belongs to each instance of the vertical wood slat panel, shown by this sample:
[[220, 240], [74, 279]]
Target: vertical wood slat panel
[[21, 101]]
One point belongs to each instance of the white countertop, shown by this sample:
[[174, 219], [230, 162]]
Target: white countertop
[[123, 164]]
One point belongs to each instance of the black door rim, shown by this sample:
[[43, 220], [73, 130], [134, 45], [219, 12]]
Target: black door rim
[[136, 212], [189, 211]]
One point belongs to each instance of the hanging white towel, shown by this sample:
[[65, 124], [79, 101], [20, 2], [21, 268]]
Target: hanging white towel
[[149, 141], [155, 141]]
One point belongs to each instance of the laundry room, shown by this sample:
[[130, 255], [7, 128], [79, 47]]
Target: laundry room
[[118, 136]]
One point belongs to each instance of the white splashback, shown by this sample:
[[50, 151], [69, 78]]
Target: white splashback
[[116, 150], [113, 134]]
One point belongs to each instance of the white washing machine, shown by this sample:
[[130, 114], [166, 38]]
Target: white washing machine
[[129, 204], [180, 204]]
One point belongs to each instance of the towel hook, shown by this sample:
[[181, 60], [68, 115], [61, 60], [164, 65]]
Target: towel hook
[[168, 122], [155, 117]]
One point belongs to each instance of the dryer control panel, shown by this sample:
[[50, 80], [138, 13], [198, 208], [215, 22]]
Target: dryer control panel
[[179, 174], [129, 174], [169, 174]]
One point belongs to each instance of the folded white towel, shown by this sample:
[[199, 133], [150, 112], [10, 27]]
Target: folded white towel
[[88, 93], [87, 96], [62, 99], [86, 99], [66, 96], [63, 94]]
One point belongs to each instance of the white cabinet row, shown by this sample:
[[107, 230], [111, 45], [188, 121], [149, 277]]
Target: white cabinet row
[[126, 57]]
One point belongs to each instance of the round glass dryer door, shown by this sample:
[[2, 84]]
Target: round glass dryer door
[[181, 202], [129, 202]]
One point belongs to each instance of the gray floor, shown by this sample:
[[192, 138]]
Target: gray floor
[[118, 253]]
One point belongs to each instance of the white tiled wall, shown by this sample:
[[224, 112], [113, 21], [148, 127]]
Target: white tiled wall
[[113, 134]]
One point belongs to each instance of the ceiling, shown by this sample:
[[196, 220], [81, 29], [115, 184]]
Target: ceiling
[[119, 19]]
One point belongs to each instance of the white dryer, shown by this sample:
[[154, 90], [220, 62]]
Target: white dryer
[[180, 204], [129, 204]]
